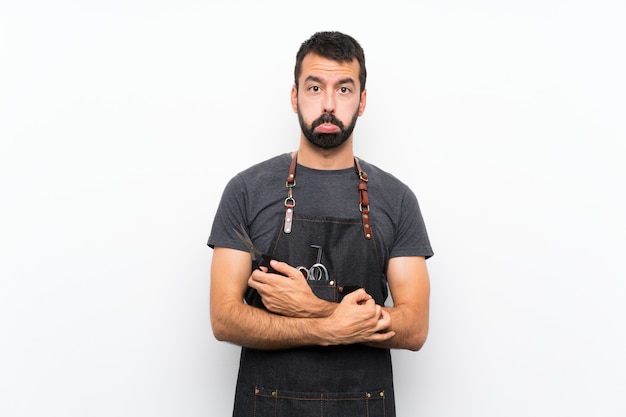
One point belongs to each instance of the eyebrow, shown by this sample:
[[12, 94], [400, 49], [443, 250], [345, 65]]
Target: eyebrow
[[347, 80]]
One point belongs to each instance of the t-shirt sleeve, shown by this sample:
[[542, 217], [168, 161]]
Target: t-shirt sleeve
[[230, 214], [412, 237]]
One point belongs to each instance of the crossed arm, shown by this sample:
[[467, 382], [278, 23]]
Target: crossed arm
[[296, 317]]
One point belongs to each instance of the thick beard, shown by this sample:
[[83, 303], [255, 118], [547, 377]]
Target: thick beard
[[327, 140]]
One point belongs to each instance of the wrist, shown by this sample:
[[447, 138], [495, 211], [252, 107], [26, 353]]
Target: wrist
[[323, 308], [323, 331]]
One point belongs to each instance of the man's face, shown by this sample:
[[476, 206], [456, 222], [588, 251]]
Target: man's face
[[328, 100]]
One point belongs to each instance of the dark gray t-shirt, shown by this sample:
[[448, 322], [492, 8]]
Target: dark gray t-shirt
[[256, 197]]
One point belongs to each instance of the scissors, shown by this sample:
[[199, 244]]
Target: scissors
[[257, 256], [318, 271]]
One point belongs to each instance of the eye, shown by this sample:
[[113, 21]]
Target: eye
[[344, 90], [314, 88]]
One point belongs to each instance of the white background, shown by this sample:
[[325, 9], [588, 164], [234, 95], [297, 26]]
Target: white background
[[121, 122]]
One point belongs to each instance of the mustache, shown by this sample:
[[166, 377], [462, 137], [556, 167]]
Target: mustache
[[327, 118]]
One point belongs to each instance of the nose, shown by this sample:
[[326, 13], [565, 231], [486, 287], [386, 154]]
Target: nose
[[328, 105]]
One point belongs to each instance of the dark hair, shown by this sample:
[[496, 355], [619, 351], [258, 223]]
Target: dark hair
[[332, 45]]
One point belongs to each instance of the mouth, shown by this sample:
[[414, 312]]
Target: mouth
[[327, 128]]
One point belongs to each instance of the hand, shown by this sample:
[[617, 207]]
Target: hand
[[288, 294], [358, 319]]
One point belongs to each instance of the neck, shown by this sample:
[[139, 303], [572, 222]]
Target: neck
[[325, 159]]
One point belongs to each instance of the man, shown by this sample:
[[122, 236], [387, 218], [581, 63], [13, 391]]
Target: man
[[314, 329]]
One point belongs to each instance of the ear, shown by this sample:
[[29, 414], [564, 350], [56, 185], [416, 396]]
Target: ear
[[294, 99], [362, 102]]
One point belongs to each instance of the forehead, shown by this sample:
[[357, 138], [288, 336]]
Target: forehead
[[329, 70]]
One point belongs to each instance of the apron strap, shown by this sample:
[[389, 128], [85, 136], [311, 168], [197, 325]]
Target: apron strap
[[290, 202], [364, 202]]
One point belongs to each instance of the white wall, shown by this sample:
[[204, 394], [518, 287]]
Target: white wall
[[121, 121]]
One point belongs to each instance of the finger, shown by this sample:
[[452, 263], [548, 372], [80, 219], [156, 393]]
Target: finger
[[383, 336], [256, 275], [252, 282], [384, 322], [379, 311], [257, 278], [285, 269], [359, 296]]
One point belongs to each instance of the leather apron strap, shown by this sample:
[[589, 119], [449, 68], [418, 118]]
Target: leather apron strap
[[364, 203]]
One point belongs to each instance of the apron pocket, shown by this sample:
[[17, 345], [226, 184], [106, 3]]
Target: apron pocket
[[326, 290], [280, 403]]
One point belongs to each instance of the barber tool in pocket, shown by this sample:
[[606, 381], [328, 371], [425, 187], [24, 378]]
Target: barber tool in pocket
[[319, 279], [317, 272]]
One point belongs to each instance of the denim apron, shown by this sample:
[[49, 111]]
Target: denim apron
[[342, 381]]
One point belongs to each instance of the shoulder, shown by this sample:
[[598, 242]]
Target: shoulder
[[260, 175], [396, 213], [389, 196], [254, 194], [383, 181], [258, 183]]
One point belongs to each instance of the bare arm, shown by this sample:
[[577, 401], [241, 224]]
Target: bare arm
[[357, 319], [410, 290], [409, 285]]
